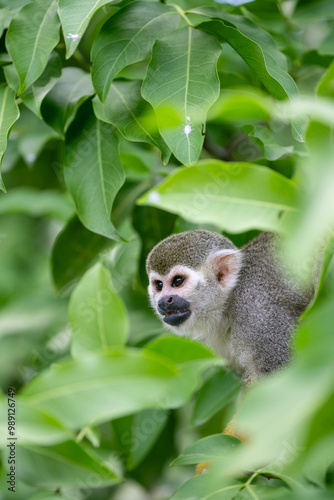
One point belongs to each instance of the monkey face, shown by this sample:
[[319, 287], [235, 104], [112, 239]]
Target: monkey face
[[191, 301], [171, 294]]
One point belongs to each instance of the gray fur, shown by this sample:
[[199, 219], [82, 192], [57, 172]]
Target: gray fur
[[190, 248], [264, 308], [256, 320]]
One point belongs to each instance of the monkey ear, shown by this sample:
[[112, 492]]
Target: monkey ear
[[226, 265]]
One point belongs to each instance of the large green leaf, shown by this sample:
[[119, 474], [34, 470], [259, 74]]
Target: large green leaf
[[182, 84], [61, 104], [94, 175], [97, 387], [127, 38], [233, 196], [126, 109], [73, 252], [9, 113], [75, 16], [31, 37], [268, 64], [300, 391], [97, 314], [257, 49], [163, 375], [67, 462]]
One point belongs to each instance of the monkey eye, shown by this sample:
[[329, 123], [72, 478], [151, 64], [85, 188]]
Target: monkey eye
[[158, 286], [177, 281]]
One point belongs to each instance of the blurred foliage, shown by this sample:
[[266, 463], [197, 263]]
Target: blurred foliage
[[120, 123]]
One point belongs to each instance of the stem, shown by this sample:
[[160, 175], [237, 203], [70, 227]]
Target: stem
[[79, 58], [182, 14]]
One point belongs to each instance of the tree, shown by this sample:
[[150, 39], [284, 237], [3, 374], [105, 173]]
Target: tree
[[120, 123]]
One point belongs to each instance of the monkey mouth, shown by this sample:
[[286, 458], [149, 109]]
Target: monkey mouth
[[176, 318]]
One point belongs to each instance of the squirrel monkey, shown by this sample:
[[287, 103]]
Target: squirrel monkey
[[243, 303]]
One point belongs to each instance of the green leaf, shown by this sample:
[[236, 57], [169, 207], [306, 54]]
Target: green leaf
[[216, 393], [326, 85], [73, 252], [180, 350], [36, 426], [67, 462], [144, 324], [192, 359], [100, 386], [126, 109], [37, 203], [152, 225], [320, 459], [94, 175], [97, 314], [3, 18], [235, 197], [32, 316], [127, 38], [135, 169], [34, 96], [301, 391], [12, 78], [182, 84], [49, 495], [9, 113], [122, 262], [75, 16], [313, 11], [277, 81], [208, 487], [32, 35], [136, 434], [14, 4], [267, 142], [246, 105], [33, 134], [207, 449], [264, 492], [74, 391], [326, 47], [257, 49], [62, 102]]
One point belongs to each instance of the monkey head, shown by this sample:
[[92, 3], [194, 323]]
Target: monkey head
[[191, 275]]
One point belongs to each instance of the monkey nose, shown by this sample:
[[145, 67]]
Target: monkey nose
[[172, 303]]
